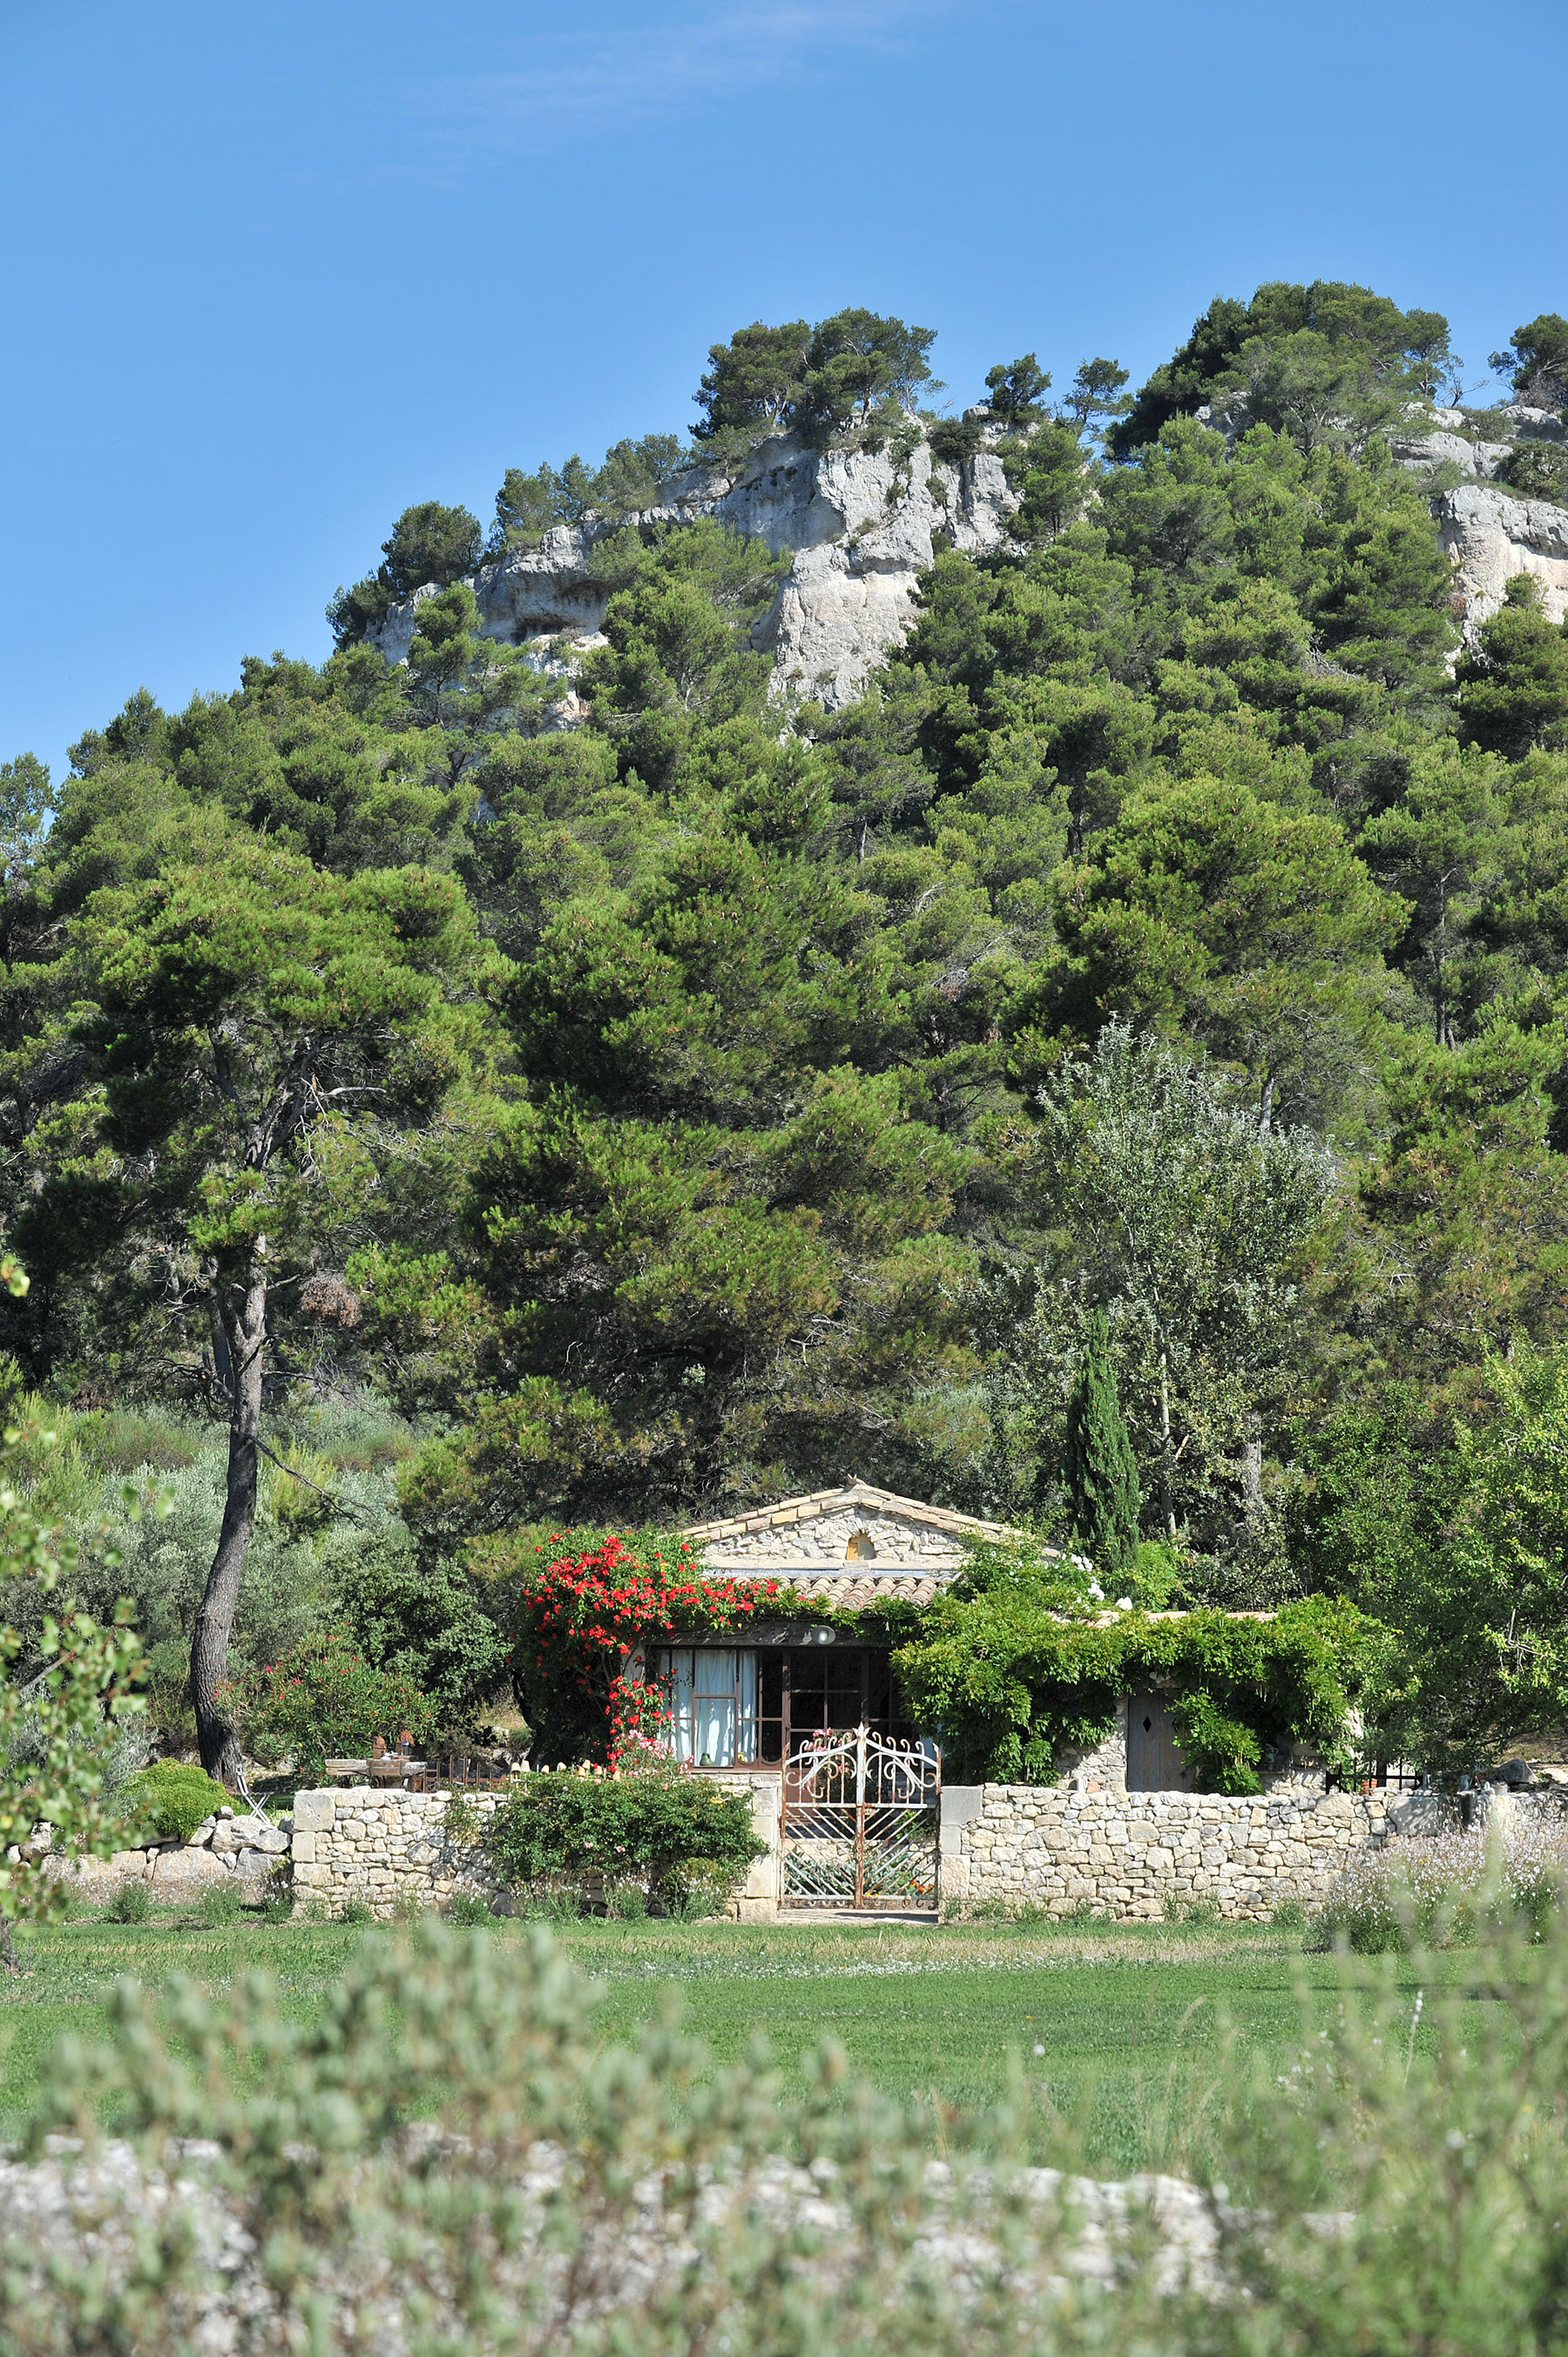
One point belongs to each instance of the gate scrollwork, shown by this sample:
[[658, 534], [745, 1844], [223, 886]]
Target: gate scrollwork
[[860, 1821]]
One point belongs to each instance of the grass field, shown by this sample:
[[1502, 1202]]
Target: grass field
[[1118, 2028]]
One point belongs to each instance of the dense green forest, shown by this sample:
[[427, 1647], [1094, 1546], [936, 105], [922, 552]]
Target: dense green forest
[[500, 1123]]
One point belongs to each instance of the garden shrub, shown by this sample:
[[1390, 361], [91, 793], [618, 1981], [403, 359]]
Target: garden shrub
[[131, 1903], [697, 1887], [470, 1908], [322, 1699], [1445, 1891], [654, 1826], [221, 1904], [171, 1798]]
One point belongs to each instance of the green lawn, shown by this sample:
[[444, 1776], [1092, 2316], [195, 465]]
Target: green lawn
[[1129, 2020]]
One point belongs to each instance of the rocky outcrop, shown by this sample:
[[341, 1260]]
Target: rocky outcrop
[[1439, 438], [860, 526], [1422, 452], [222, 1847], [1534, 425], [1490, 537]]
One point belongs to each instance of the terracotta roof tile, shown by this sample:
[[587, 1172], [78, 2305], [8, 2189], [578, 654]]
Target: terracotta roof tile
[[862, 1594]]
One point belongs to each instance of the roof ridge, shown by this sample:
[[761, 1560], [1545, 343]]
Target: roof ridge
[[808, 1506]]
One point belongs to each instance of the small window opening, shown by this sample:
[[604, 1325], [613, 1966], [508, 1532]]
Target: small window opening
[[859, 1549]]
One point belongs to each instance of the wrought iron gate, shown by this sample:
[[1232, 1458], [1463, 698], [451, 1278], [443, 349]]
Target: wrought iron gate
[[860, 1821]]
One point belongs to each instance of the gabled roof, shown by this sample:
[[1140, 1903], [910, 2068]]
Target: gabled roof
[[789, 1513], [848, 1545]]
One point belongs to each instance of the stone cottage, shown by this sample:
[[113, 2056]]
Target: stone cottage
[[752, 1706]]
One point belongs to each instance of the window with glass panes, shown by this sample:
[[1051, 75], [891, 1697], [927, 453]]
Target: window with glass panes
[[743, 1707]]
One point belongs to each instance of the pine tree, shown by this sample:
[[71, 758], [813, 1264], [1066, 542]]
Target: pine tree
[[1102, 1476]]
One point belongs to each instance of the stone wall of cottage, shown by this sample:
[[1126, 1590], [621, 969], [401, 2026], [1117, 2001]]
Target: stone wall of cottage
[[1133, 1856], [1142, 1855], [897, 1542], [390, 1850]]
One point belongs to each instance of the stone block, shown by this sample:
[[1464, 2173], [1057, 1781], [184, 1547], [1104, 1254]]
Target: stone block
[[961, 1804], [173, 1872]]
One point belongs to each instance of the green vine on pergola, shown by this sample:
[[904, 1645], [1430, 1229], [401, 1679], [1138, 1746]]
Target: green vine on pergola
[[1011, 1683]]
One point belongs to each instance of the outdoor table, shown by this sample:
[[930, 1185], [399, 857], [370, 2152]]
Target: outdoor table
[[394, 1770]]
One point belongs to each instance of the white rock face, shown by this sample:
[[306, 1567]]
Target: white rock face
[[1535, 425], [1490, 537], [860, 527], [1421, 452]]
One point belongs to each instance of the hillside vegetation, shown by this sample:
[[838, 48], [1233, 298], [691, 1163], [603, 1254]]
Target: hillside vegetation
[[720, 1098]]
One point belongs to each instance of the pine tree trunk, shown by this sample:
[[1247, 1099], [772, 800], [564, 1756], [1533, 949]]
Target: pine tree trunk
[[1168, 1488], [1252, 1473], [244, 1329]]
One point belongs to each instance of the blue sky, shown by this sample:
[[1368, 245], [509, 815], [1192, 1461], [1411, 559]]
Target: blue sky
[[272, 272]]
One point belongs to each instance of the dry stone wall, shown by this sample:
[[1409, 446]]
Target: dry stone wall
[[381, 1849], [223, 1847], [1138, 1855], [392, 1850], [1131, 1855]]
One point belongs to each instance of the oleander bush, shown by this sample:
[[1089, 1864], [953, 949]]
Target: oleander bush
[[324, 1697]]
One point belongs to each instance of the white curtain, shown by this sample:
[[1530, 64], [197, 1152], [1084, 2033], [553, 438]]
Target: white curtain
[[712, 1702]]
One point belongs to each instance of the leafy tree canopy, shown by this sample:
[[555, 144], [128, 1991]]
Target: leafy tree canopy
[[428, 544], [1358, 336], [1536, 360], [683, 1095], [817, 378]]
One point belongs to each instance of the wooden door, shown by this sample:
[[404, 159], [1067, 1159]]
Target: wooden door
[[1155, 1763]]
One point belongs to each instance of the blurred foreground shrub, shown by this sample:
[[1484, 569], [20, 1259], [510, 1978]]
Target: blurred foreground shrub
[[447, 2159]]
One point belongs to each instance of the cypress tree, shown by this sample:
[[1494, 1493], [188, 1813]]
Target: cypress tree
[[1102, 1476]]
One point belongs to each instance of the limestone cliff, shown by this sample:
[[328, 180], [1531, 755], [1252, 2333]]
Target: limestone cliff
[[861, 525], [1490, 534], [1490, 537]]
